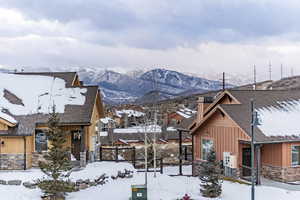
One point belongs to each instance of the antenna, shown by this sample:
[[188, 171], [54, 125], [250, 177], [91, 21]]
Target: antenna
[[254, 77], [270, 71], [281, 71]]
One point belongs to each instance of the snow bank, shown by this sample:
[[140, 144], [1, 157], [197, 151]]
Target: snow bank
[[161, 188], [280, 121], [91, 171], [38, 94]]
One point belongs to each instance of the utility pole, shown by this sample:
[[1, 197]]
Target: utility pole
[[270, 71], [254, 77], [155, 110], [223, 81], [154, 142], [253, 119], [146, 158], [281, 71]]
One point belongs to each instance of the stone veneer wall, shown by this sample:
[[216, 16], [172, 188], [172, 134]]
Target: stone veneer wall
[[287, 174], [235, 173], [11, 161], [36, 157]]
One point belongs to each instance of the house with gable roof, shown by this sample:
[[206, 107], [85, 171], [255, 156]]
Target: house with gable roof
[[225, 125], [26, 99]]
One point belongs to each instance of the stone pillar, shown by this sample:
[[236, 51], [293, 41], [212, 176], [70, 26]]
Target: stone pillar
[[92, 156], [82, 159]]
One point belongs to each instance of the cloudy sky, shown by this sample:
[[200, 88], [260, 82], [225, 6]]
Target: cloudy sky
[[196, 36]]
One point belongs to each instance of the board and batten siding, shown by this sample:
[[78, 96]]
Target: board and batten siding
[[272, 154], [279, 154], [223, 131], [15, 145]]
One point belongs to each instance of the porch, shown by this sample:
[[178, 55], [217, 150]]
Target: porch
[[245, 161]]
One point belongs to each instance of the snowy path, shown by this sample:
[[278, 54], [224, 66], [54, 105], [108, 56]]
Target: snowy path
[[162, 188]]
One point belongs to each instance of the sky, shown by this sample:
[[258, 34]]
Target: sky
[[194, 36]]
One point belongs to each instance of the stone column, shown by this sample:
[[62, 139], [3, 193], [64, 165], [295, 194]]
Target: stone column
[[82, 159], [92, 156]]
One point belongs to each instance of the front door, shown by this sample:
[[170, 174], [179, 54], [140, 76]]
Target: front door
[[246, 162], [76, 141]]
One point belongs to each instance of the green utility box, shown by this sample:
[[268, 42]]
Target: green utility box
[[139, 192]]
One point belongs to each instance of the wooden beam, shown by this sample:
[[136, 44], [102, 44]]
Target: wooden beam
[[180, 152], [82, 139]]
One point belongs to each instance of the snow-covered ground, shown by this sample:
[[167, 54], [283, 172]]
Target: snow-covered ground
[[163, 187]]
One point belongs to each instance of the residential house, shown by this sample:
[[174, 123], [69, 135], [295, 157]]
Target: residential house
[[26, 99], [225, 125], [124, 118], [178, 116]]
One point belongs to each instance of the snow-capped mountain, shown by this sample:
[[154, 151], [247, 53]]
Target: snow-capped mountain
[[124, 88]]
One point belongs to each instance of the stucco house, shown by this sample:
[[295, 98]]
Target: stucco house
[[224, 124], [26, 99]]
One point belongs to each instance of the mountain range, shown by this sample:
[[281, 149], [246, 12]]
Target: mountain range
[[141, 87]]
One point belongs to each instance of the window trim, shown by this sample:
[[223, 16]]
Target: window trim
[[201, 149], [294, 145]]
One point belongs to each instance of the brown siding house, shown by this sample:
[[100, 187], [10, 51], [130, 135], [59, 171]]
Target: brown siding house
[[22, 136], [224, 125]]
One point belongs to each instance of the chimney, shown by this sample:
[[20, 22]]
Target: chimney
[[203, 103]]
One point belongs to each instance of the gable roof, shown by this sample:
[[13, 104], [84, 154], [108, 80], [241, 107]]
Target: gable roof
[[72, 111], [264, 99], [69, 77]]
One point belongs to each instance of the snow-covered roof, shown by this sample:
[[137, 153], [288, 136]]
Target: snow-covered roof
[[106, 120], [128, 141], [103, 133], [282, 120], [37, 94], [130, 113], [8, 118], [143, 129], [183, 114], [139, 129]]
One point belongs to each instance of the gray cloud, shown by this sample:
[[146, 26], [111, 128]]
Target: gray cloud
[[169, 23], [194, 35]]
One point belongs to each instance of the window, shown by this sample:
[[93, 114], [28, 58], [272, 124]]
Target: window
[[41, 143], [295, 155], [207, 146]]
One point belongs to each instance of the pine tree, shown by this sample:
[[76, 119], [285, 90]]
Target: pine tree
[[210, 175], [57, 165]]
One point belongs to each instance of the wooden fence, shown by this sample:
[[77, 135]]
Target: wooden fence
[[115, 157]]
